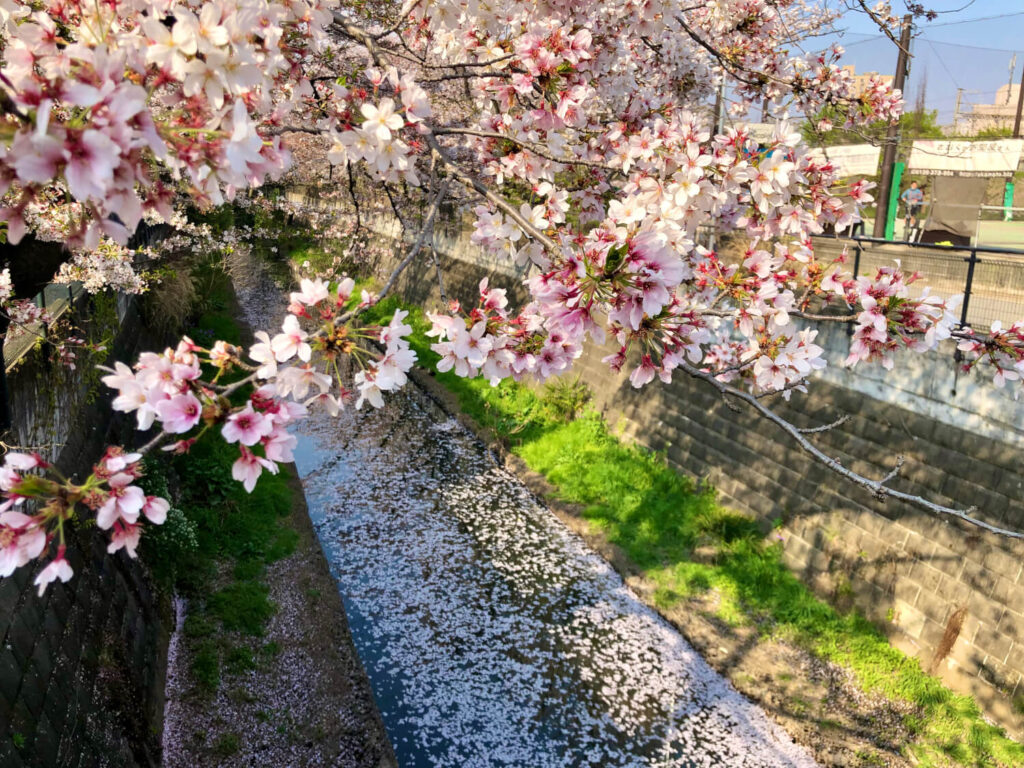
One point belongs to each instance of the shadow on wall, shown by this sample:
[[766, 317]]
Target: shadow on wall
[[82, 668], [945, 592]]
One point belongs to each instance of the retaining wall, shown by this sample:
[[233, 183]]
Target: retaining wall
[[81, 668], [944, 592]]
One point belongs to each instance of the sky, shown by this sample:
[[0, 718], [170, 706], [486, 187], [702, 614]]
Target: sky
[[965, 47]]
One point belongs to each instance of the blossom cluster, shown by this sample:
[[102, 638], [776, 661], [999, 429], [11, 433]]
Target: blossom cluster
[[296, 368], [101, 93], [891, 319], [373, 133], [38, 502], [1002, 349], [335, 338], [490, 342]]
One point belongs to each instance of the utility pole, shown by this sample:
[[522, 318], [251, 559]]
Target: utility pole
[[892, 136], [956, 112], [1020, 106], [1009, 83], [720, 109]]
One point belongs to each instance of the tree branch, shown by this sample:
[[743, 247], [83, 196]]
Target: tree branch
[[428, 225], [500, 202], [527, 145], [877, 487], [403, 15], [826, 427]]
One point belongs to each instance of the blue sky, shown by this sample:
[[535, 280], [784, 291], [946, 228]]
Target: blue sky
[[969, 48]]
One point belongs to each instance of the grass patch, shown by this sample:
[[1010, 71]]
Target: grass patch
[[223, 523], [206, 666], [226, 745], [239, 659], [242, 606], [658, 518]]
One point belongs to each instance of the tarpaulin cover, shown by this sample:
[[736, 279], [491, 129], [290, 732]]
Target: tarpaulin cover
[[953, 212]]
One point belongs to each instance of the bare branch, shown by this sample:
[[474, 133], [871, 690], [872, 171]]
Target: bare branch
[[718, 55], [403, 15], [468, 76], [352, 194], [282, 129], [156, 441], [358, 35], [894, 471], [875, 486], [394, 208], [884, 28], [440, 279], [823, 318], [826, 427], [527, 145], [428, 225]]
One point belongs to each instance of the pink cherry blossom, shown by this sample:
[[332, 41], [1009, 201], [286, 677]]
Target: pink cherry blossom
[[125, 536], [247, 427], [58, 568], [155, 509], [248, 468], [179, 413], [124, 502], [291, 342]]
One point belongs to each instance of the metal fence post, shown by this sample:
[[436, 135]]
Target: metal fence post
[[6, 420], [856, 268], [971, 261]]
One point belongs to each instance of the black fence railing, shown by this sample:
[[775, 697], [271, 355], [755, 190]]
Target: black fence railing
[[56, 299], [990, 278]]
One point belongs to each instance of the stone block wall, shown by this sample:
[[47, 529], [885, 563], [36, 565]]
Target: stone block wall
[[81, 668], [949, 594]]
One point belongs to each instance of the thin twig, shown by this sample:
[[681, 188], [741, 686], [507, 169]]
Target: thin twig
[[893, 472], [352, 194], [875, 486], [501, 74], [428, 224], [527, 145], [440, 279], [825, 428], [403, 15]]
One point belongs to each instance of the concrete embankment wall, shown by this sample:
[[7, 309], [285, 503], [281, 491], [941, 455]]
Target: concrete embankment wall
[[949, 594], [81, 668]]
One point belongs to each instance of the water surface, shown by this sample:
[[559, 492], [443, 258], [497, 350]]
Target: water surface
[[492, 635]]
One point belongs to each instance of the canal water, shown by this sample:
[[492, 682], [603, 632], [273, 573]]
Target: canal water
[[492, 635]]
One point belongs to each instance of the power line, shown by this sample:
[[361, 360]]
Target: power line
[[972, 21], [871, 39], [943, 63], [973, 47]]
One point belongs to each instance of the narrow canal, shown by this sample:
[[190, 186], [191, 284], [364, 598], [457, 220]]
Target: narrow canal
[[491, 634]]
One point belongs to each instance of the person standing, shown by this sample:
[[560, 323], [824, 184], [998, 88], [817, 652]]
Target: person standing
[[913, 198]]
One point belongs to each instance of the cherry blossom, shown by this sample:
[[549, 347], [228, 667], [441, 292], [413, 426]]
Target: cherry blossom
[[576, 129]]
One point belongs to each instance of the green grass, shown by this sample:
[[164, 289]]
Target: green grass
[[226, 745], [222, 524], [657, 517]]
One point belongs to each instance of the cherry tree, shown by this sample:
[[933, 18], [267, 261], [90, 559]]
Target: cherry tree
[[578, 134]]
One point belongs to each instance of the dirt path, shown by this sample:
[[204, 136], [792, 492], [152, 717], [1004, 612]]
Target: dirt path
[[307, 702]]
